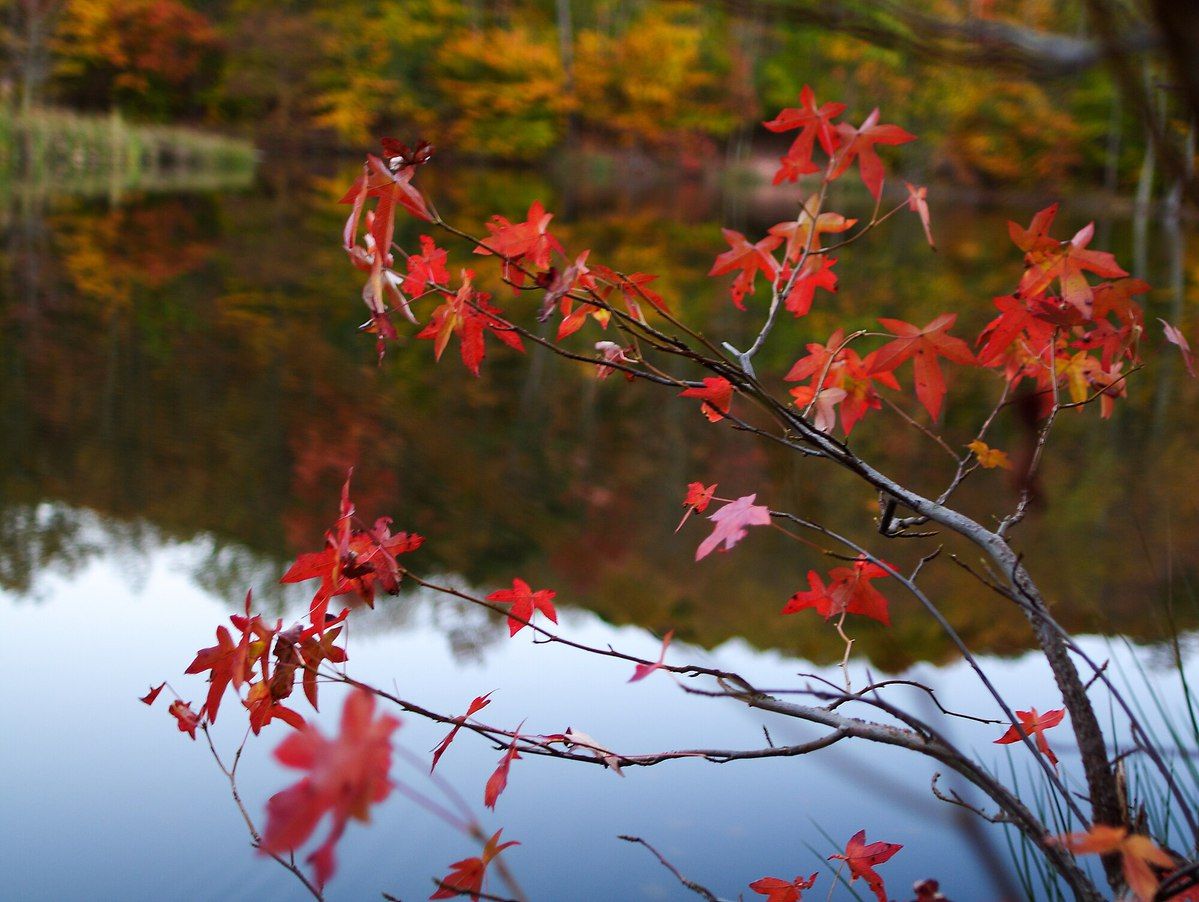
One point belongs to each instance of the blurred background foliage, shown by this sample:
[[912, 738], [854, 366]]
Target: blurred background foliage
[[516, 80]]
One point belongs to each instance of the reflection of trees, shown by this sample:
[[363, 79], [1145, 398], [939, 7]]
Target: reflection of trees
[[221, 391]]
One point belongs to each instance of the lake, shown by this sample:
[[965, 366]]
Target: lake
[[184, 390]]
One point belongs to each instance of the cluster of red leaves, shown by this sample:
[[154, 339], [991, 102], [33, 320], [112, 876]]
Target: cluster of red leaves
[[354, 560], [1078, 337], [346, 776], [848, 591], [247, 662], [838, 377], [843, 144], [390, 184]]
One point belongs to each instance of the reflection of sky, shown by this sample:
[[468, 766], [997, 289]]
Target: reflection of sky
[[103, 798]]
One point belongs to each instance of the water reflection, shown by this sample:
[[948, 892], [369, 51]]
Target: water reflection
[[113, 798], [190, 364]]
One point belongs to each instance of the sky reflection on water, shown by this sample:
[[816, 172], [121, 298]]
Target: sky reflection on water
[[104, 798]]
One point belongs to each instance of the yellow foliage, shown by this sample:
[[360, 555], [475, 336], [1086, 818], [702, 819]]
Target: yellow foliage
[[507, 88], [657, 78]]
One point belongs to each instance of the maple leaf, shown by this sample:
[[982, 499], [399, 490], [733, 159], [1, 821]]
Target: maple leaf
[[749, 259], [988, 457], [1034, 726], [815, 124], [817, 272], [466, 876], [918, 204], [186, 718], [858, 143], [1175, 337], [1138, 854], [263, 705], [469, 316], [150, 697], [1047, 259], [1014, 323], [862, 858], [426, 269], [527, 241], [346, 776], [732, 522], [524, 602], [924, 344], [776, 889], [849, 591], [805, 230], [641, 671], [716, 395], [791, 167], [697, 500], [477, 705], [498, 781], [227, 662]]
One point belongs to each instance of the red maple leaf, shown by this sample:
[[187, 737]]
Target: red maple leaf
[[748, 259], [524, 602], [732, 522], [815, 124], [498, 781], [862, 858], [817, 272], [426, 269], [697, 500], [346, 776], [1047, 259], [263, 703], [641, 671], [1034, 726], [776, 889], [858, 143], [150, 697], [849, 591], [469, 315], [925, 345], [186, 718], [227, 662], [518, 242], [466, 876], [1139, 855], [478, 704], [716, 395], [1014, 323]]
